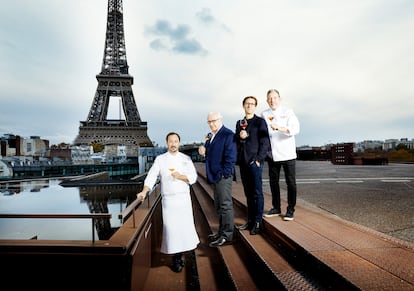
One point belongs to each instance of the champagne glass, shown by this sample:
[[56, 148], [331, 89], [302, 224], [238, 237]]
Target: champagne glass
[[271, 118], [243, 124], [172, 169]]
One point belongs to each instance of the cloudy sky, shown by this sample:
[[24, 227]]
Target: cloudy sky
[[345, 67]]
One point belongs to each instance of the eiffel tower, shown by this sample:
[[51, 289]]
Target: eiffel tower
[[114, 81]]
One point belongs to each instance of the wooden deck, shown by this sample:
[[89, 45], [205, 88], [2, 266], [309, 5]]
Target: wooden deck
[[294, 253]]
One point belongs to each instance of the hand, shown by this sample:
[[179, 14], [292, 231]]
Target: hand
[[274, 126], [243, 134], [202, 150], [141, 195], [175, 175], [282, 129]]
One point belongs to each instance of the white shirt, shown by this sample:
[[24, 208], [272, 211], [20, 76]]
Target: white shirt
[[283, 145], [169, 186], [213, 135]]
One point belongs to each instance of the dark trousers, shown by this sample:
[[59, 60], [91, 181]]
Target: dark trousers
[[251, 176], [289, 168], [223, 203]]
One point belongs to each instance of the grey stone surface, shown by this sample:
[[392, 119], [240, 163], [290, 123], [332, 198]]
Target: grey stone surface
[[377, 197]]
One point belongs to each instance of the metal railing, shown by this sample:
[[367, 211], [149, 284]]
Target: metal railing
[[92, 216], [131, 207], [124, 214]]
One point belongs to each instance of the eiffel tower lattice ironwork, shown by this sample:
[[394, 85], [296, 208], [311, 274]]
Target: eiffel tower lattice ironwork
[[114, 81]]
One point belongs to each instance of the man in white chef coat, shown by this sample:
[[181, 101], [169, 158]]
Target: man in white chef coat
[[177, 172]]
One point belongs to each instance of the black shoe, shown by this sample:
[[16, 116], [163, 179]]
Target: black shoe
[[213, 236], [219, 242], [273, 212], [177, 264], [257, 228], [244, 226], [288, 216]]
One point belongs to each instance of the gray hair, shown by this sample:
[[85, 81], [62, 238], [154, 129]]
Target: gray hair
[[218, 114], [273, 90]]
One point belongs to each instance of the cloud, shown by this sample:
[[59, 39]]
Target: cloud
[[175, 40], [346, 68], [205, 16]]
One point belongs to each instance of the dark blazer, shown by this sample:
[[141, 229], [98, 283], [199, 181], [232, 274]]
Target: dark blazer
[[257, 145], [221, 155]]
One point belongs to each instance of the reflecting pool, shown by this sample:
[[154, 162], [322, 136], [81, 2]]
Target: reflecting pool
[[49, 197]]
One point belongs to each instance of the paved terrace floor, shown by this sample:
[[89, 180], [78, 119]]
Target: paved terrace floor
[[378, 197], [374, 255]]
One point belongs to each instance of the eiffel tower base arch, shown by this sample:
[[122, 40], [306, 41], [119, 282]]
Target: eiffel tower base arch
[[114, 137]]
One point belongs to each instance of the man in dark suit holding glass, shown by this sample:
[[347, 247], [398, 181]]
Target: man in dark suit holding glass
[[220, 152]]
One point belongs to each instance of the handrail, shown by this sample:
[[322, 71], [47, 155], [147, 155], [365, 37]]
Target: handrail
[[59, 215], [54, 215], [131, 207], [139, 176]]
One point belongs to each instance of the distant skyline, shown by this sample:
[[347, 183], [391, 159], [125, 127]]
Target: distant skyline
[[346, 68], [164, 145]]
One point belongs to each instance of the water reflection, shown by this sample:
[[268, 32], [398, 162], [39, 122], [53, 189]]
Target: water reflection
[[98, 198], [47, 196], [10, 188]]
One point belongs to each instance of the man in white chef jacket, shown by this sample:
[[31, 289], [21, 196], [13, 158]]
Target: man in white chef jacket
[[177, 172]]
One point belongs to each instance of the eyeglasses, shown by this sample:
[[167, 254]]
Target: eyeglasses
[[212, 121], [250, 104]]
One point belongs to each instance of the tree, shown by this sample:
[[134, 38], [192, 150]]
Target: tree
[[97, 147]]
